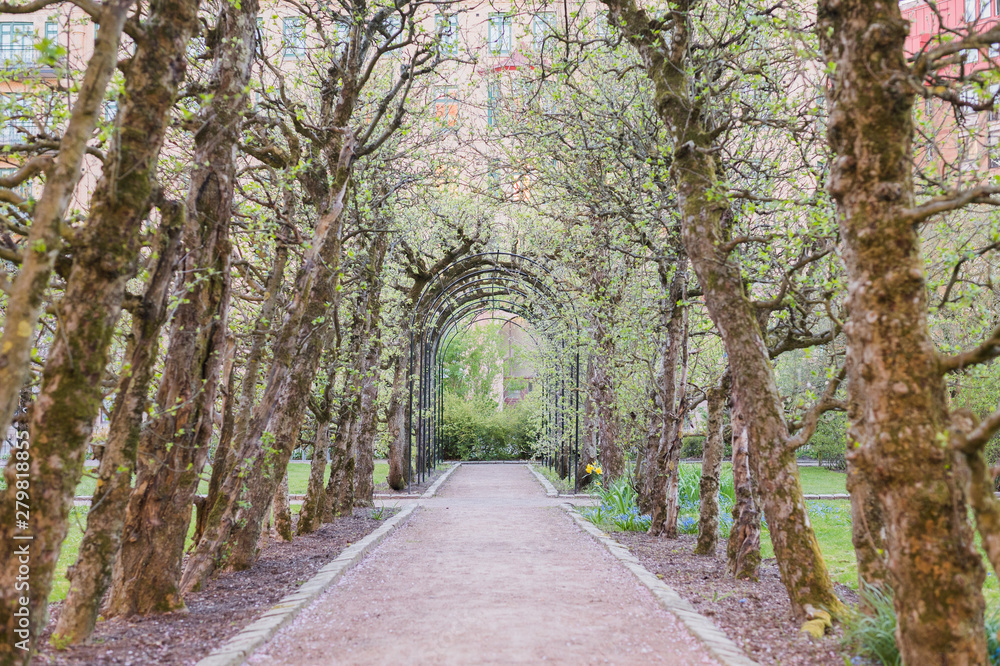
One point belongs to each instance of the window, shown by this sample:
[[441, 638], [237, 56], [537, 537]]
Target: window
[[493, 97], [393, 29], [994, 113], [500, 33], [993, 150], [18, 118], [598, 26], [17, 42], [24, 189], [341, 32], [972, 55], [969, 98], [446, 26], [110, 110], [493, 173], [294, 38], [542, 25], [985, 8], [547, 98], [970, 11], [52, 31], [446, 105]]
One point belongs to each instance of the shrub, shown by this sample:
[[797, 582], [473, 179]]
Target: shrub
[[692, 446], [477, 430], [829, 443]]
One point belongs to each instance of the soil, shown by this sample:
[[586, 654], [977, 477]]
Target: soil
[[227, 604], [756, 616]]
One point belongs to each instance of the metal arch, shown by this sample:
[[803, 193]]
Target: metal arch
[[492, 281], [466, 280]]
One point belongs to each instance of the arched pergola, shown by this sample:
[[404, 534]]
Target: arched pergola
[[464, 291]]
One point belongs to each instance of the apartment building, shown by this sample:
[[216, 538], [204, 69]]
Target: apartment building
[[967, 139]]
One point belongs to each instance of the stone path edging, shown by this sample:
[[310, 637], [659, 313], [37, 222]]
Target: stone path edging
[[706, 631], [437, 484], [236, 650], [550, 490]]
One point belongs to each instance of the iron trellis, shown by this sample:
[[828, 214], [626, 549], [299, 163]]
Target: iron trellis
[[468, 288]]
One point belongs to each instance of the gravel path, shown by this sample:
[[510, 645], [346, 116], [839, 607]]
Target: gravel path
[[488, 572]]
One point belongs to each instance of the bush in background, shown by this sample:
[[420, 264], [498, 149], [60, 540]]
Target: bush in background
[[476, 430]]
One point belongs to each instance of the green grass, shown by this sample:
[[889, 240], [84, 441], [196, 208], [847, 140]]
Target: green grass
[[821, 481], [298, 478], [815, 480], [831, 521], [561, 485]]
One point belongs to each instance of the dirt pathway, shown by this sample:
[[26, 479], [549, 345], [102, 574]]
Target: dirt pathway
[[488, 572]]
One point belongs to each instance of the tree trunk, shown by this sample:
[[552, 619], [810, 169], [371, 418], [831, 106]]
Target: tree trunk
[[70, 396], [665, 508], [223, 449], [743, 547], [240, 510], [399, 465], [281, 511], [44, 242], [645, 463], [90, 576], [605, 414], [704, 210], [226, 456], [339, 498], [175, 449], [897, 394], [310, 516], [711, 470], [363, 434]]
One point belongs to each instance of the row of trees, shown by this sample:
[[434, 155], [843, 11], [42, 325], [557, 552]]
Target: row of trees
[[742, 200]]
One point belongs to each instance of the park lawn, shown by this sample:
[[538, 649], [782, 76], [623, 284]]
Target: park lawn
[[298, 478], [815, 480], [821, 481], [831, 520]]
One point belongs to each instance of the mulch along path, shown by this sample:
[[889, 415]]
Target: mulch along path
[[227, 604], [756, 616]]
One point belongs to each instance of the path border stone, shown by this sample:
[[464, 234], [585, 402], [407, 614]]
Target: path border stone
[[725, 651], [237, 649], [550, 490], [432, 491]]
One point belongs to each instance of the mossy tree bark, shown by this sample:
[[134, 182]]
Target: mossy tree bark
[[703, 206], [107, 249], [711, 469], [339, 494], [899, 412], [743, 546], [91, 574], [280, 510], [225, 454], [310, 517], [25, 298], [363, 444], [175, 447], [664, 471]]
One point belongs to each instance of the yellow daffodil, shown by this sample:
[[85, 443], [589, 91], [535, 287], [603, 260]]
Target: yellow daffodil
[[590, 469], [599, 470]]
